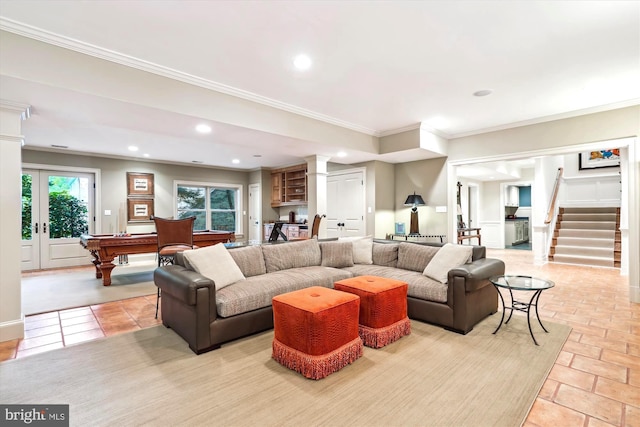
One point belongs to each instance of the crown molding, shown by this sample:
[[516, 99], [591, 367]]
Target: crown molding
[[550, 118], [130, 61]]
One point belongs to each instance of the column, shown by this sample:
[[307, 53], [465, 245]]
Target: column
[[317, 189], [11, 317]]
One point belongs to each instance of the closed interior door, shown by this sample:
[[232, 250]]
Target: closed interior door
[[345, 204], [57, 209], [255, 217]]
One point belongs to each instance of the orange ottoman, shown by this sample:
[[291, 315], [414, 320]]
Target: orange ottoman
[[383, 308], [316, 331]]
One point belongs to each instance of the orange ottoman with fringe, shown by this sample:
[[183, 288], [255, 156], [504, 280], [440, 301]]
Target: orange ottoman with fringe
[[383, 308], [316, 330]]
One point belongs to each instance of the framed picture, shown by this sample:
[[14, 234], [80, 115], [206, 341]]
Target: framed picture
[[599, 159], [139, 184], [400, 228], [139, 210]]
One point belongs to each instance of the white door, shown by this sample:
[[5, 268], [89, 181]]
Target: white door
[[345, 204], [57, 208], [255, 217], [473, 206]]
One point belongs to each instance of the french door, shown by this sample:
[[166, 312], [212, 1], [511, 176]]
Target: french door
[[57, 207]]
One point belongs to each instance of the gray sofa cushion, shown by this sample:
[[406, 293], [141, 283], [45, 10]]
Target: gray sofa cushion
[[385, 254], [415, 257], [419, 286], [250, 260], [283, 256], [258, 291], [336, 254]]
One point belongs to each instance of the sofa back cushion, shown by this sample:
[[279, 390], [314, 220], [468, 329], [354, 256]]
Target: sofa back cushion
[[250, 260], [362, 248], [337, 254], [385, 254], [415, 257], [283, 256]]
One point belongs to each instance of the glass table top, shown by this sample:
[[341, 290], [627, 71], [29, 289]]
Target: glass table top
[[523, 283]]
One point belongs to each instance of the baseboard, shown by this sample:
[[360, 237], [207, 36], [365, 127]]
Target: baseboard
[[12, 330]]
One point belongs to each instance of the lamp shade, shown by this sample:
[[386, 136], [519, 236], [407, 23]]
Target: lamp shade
[[414, 200]]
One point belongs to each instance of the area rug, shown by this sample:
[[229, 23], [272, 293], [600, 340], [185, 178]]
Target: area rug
[[59, 291], [432, 377]]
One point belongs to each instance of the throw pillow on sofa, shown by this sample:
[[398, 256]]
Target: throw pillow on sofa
[[283, 256], [216, 263], [337, 254], [448, 257], [250, 260], [362, 248]]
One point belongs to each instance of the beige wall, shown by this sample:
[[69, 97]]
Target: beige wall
[[113, 183], [429, 179]]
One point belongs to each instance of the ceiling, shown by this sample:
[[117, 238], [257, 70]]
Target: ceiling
[[377, 68]]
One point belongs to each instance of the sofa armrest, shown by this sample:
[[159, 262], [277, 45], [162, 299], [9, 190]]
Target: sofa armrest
[[182, 283], [477, 273]]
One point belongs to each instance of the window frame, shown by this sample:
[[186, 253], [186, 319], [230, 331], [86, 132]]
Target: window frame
[[208, 185]]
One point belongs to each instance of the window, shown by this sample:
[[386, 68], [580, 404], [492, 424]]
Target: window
[[215, 206]]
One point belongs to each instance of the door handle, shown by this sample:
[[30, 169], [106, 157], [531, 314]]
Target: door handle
[[36, 228], [44, 227]]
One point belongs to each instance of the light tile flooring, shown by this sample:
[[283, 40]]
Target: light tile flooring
[[595, 381]]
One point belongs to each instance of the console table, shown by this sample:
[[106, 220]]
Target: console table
[[442, 237], [468, 233]]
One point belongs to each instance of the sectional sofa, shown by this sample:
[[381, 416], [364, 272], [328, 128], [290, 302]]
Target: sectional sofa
[[213, 295]]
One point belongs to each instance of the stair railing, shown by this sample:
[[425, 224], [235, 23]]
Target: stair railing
[[554, 198]]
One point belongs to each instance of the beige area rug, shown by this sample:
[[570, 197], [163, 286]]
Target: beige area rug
[[59, 291], [432, 377]]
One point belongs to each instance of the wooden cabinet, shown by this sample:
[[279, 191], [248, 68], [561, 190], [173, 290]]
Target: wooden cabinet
[[276, 188], [512, 195], [289, 186]]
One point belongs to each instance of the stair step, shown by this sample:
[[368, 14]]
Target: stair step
[[590, 210], [584, 251], [595, 234], [583, 260], [588, 225], [589, 217], [585, 242]]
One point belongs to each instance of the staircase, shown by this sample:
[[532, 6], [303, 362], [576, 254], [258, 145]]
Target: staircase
[[587, 236]]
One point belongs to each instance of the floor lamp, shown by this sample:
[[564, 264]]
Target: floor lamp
[[414, 200]]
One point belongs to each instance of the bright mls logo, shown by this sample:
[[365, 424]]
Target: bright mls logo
[[36, 415]]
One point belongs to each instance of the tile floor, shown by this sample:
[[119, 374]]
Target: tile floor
[[595, 381]]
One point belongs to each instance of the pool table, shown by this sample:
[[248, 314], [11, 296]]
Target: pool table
[[105, 247]]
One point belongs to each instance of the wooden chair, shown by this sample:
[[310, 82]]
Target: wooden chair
[[174, 235], [315, 228]]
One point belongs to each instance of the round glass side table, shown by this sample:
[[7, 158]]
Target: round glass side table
[[521, 283]]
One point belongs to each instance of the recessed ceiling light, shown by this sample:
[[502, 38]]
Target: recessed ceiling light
[[341, 154], [302, 62], [257, 155], [235, 161], [202, 128], [133, 148], [146, 154], [483, 92]]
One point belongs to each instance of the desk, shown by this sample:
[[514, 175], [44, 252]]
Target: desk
[[521, 283], [105, 247], [417, 236], [467, 233]]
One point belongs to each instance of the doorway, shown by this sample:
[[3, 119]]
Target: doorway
[[57, 207]]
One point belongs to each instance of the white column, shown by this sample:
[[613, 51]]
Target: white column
[[11, 317], [317, 189]]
